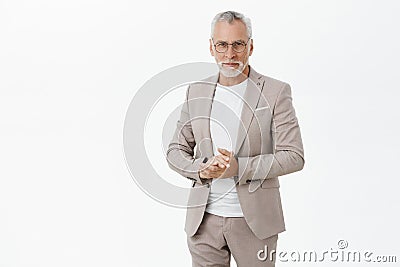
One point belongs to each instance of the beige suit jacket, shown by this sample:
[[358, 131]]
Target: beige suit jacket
[[268, 145]]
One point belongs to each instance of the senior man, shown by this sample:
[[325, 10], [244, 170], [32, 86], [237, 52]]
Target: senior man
[[237, 133]]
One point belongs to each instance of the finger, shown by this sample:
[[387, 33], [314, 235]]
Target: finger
[[222, 166], [217, 161], [218, 164], [224, 157], [226, 160], [210, 162], [209, 173], [213, 168], [221, 161], [223, 151], [227, 154]]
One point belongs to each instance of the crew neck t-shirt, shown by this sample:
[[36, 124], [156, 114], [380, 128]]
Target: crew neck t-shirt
[[224, 124]]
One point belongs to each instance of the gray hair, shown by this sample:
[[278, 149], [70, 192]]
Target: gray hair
[[230, 16]]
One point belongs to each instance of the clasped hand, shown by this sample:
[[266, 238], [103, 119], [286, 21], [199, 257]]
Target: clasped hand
[[223, 165]]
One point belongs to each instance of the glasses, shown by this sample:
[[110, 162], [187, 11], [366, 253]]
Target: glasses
[[237, 46]]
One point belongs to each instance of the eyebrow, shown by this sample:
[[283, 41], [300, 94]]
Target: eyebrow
[[221, 41]]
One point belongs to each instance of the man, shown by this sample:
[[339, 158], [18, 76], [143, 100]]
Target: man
[[244, 130]]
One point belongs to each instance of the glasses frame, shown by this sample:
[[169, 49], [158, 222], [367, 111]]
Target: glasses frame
[[228, 44]]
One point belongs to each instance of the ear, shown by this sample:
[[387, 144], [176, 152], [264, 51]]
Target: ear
[[211, 48], [251, 47]]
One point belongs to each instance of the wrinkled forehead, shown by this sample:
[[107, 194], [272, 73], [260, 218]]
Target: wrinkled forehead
[[230, 32]]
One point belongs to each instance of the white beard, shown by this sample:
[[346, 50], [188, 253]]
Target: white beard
[[230, 72]]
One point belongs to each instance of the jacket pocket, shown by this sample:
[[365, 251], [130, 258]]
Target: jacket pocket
[[270, 183]]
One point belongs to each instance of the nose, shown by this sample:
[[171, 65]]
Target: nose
[[230, 53]]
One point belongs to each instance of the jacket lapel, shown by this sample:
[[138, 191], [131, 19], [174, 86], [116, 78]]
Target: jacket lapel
[[250, 100], [202, 95]]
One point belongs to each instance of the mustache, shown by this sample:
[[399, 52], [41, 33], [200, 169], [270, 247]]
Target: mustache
[[230, 62], [221, 64]]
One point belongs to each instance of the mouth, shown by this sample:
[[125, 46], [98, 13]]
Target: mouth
[[230, 65]]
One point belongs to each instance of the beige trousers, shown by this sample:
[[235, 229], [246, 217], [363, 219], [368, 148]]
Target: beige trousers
[[219, 237]]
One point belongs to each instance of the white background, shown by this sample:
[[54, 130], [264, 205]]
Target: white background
[[69, 69]]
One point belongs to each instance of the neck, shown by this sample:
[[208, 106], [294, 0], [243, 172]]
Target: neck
[[229, 81]]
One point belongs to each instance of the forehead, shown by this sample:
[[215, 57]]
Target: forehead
[[225, 31]]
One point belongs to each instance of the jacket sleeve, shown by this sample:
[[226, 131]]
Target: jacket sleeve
[[288, 153], [180, 153]]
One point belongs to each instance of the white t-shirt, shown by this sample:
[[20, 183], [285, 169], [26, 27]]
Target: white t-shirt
[[224, 124]]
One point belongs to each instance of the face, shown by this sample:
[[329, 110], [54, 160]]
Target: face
[[231, 63]]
